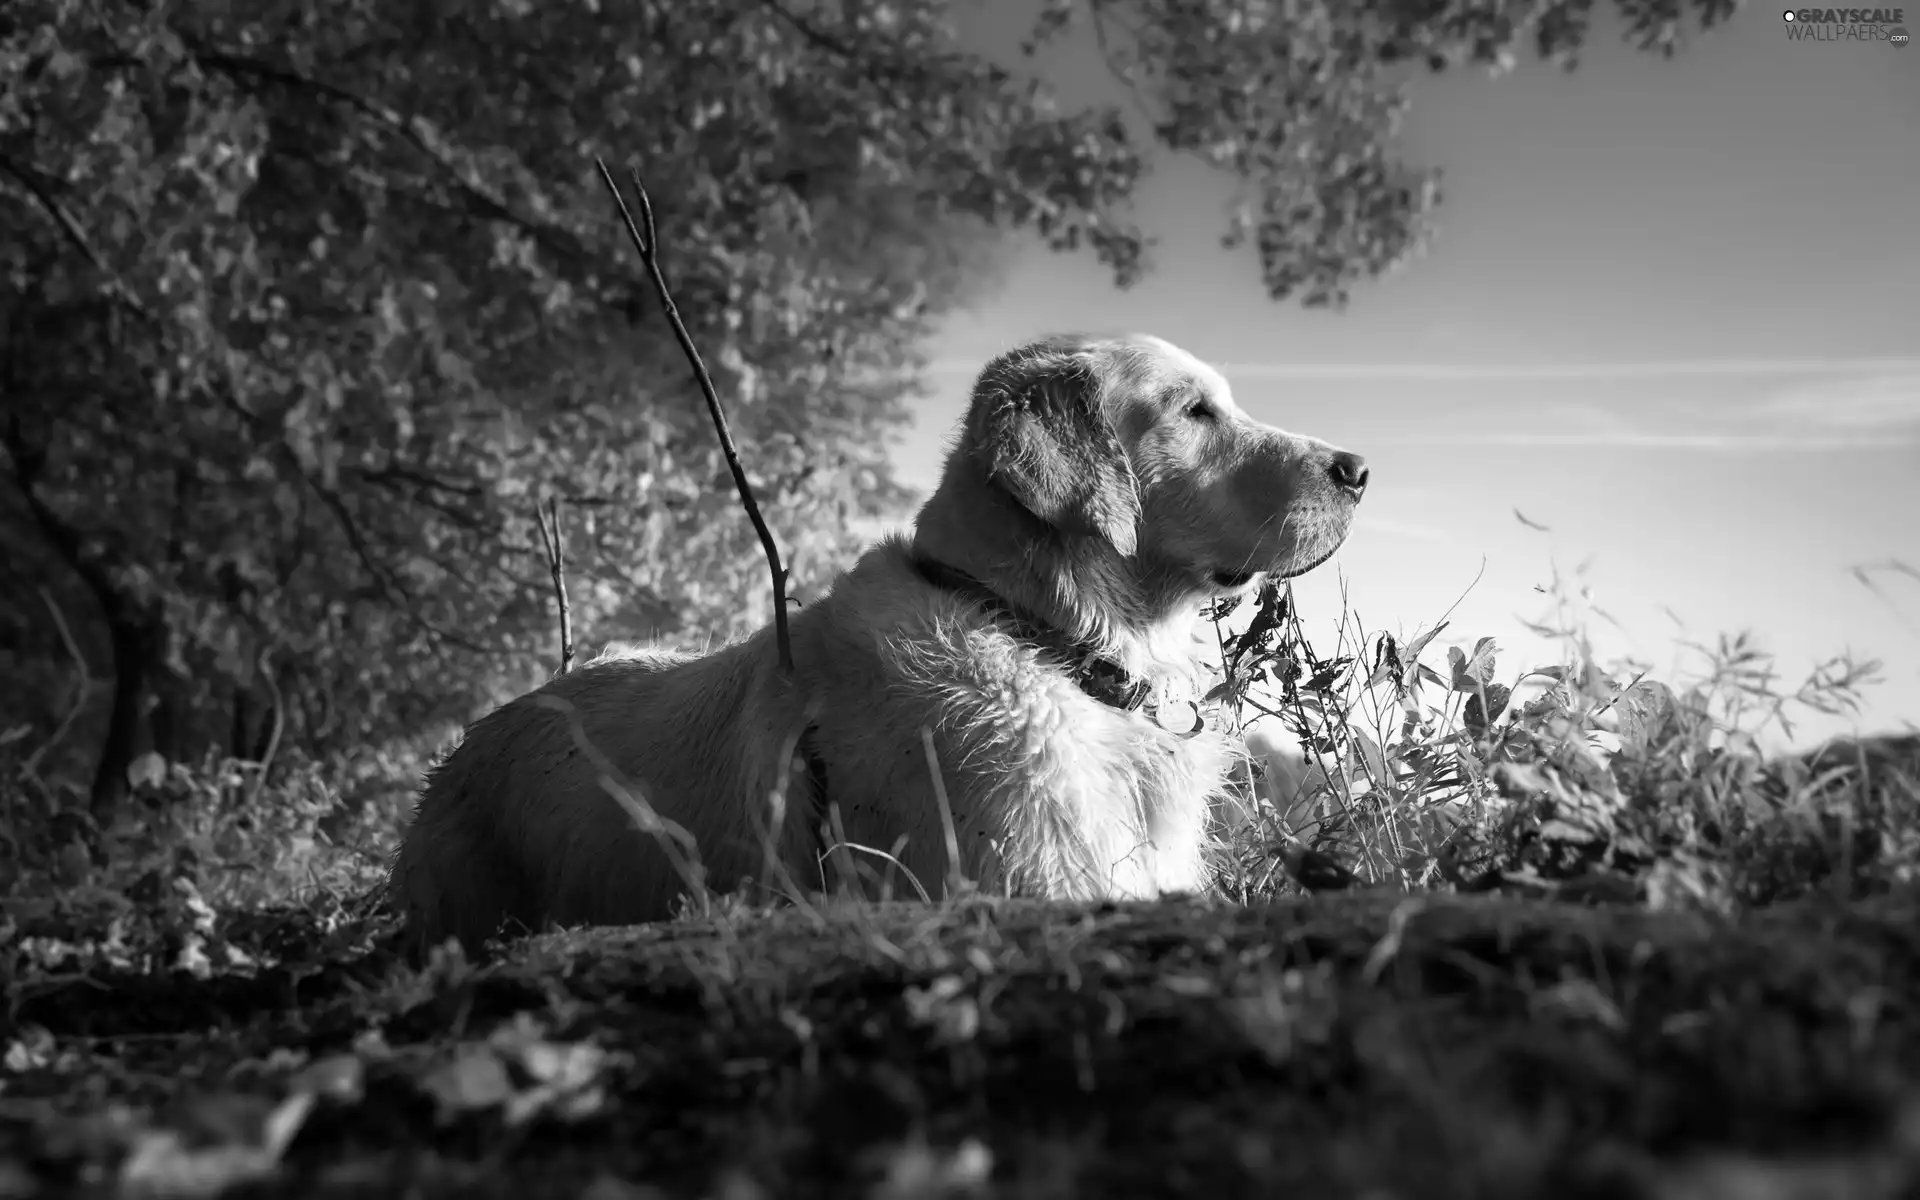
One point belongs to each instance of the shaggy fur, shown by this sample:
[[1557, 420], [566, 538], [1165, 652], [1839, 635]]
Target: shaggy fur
[[1102, 488]]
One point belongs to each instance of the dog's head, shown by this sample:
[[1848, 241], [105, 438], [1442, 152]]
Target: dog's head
[[1135, 442]]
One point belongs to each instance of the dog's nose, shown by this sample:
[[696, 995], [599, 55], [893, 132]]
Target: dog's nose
[[1350, 472]]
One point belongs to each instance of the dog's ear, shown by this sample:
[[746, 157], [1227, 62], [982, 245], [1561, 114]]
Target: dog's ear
[[1040, 430]]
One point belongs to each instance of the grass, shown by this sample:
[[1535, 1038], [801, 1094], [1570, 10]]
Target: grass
[[1564, 777], [1563, 931]]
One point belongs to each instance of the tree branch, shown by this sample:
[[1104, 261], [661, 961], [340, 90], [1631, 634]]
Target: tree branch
[[392, 472], [391, 591], [279, 726], [421, 493], [82, 694], [414, 130], [70, 227], [553, 540], [649, 246], [28, 464]]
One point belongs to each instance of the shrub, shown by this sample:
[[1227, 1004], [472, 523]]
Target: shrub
[[1570, 778]]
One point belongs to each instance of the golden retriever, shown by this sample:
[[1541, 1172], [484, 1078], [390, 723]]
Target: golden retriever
[[1019, 644]]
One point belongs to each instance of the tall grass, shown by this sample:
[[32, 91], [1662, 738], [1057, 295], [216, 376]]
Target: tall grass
[[1573, 777]]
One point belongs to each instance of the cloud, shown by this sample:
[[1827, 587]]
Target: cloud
[[1853, 409], [1878, 402], [1810, 405], [1727, 443], [1708, 368]]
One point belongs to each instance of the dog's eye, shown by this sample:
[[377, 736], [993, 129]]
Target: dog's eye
[[1202, 410]]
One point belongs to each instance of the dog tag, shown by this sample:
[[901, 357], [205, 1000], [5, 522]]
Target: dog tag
[[1180, 717]]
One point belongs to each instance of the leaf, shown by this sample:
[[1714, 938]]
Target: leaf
[[148, 770], [1553, 700], [1477, 716], [1373, 758], [339, 1077], [1326, 677], [1644, 714], [474, 1078], [1519, 779], [1411, 657], [240, 1141], [1472, 674], [1386, 662]]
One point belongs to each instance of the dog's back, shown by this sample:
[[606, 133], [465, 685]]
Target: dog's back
[[520, 824]]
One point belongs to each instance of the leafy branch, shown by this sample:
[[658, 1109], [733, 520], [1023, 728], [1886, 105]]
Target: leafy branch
[[389, 586], [417, 131], [648, 245]]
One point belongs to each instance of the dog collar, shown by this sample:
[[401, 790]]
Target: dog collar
[[1100, 677]]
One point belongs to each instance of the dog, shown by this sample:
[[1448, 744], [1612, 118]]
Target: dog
[[983, 700]]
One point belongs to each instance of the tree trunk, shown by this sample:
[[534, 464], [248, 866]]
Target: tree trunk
[[173, 733], [240, 740], [133, 660], [131, 628]]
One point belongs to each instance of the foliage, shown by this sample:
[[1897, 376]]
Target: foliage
[[1300, 103], [304, 307], [210, 833], [331, 314], [1573, 779]]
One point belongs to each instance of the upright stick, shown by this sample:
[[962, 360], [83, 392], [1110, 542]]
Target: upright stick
[[648, 246]]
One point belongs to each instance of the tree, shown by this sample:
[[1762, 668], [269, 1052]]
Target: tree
[[305, 306]]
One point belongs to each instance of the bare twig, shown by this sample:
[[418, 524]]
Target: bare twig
[[279, 725], [648, 245], [389, 586], [548, 520], [31, 765], [395, 473], [70, 226]]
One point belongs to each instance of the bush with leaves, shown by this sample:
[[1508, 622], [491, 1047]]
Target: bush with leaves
[[1572, 779]]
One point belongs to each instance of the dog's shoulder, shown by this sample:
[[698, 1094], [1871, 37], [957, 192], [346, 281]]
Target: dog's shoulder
[[921, 631], [882, 604], [883, 586]]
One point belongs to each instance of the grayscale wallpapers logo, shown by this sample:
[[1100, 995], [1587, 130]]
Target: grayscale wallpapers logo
[[1848, 25]]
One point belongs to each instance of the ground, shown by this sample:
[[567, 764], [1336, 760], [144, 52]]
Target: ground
[[1365, 1044]]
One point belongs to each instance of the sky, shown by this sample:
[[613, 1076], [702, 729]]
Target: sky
[[1672, 314]]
